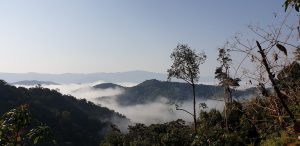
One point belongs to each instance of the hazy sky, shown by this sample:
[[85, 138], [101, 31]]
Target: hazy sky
[[83, 36]]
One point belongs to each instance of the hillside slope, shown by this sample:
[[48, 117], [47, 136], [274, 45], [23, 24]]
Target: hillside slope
[[72, 121]]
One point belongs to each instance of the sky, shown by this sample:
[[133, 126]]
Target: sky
[[87, 36]]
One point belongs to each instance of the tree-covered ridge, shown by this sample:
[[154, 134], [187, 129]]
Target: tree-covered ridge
[[107, 86], [152, 90], [72, 121]]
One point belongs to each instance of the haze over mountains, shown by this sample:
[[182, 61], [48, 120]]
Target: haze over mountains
[[67, 78], [131, 76], [34, 82], [153, 95], [151, 101]]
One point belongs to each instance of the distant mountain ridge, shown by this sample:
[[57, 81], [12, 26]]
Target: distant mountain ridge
[[34, 82], [67, 78], [130, 76], [152, 90]]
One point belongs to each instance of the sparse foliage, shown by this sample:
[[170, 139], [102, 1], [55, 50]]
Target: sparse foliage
[[274, 70], [222, 73], [185, 66]]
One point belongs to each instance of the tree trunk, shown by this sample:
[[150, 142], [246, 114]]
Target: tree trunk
[[274, 84], [228, 94], [195, 118], [226, 99], [17, 135]]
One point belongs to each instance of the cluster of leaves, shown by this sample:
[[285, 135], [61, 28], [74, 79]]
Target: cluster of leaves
[[186, 64], [172, 133], [18, 128], [289, 78], [273, 125], [293, 3], [222, 72], [213, 130]]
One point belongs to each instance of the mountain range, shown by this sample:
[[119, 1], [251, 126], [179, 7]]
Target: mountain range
[[34, 83], [130, 76], [152, 90], [67, 78]]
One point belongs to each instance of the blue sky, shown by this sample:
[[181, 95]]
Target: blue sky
[[84, 36]]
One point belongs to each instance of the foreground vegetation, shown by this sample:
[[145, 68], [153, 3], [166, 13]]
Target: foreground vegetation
[[254, 122]]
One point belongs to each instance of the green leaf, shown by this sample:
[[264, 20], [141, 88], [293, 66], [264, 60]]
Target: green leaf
[[286, 4], [281, 48], [36, 140], [297, 8]]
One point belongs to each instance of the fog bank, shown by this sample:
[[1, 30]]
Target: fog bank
[[158, 111]]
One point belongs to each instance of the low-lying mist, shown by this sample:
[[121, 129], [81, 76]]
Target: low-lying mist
[[159, 111]]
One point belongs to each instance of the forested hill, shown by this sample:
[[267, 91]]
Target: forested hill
[[151, 90], [72, 121], [108, 85]]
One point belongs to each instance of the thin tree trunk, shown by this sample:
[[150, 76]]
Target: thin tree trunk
[[195, 119], [271, 77], [228, 94], [16, 136], [226, 99], [225, 116]]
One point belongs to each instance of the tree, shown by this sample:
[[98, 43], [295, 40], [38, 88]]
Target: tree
[[270, 52], [185, 66], [222, 74], [272, 78]]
